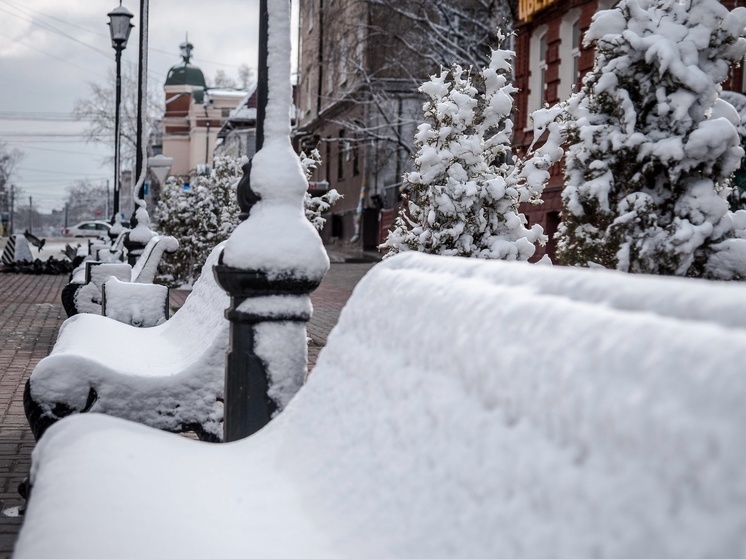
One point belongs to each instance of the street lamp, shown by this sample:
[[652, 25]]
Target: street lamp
[[274, 258], [119, 27]]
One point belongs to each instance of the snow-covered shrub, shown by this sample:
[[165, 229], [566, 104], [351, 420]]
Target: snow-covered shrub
[[738, 195], [652, 146], [206, 212], [199, 217], [463, 197], [316, 205]]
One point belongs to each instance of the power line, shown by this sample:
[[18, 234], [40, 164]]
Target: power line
[[14, 5], [87, 154], [60, 59], [21, 169], [64, 180], [53, 29], [44, 117], [42, 134], [48, 27]]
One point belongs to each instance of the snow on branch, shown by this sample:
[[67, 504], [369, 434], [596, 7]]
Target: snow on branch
[[652, 145]]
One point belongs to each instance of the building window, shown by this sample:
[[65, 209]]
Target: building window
[[538, 69], [340, 156], [359, 45], [576, 52], [328, 159], [310, 16], [569, 53], [309, 91], [542, 70], [356, 158], [343, 54]]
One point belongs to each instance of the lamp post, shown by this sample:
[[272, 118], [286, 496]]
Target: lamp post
[[270, 287], [119, 26], [142, 99]]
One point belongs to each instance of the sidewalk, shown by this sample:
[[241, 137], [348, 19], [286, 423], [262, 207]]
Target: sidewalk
[[30, 316]]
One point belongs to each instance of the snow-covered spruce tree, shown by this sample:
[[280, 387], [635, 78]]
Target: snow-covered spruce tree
[[652, 147], [314, 206], [462, 199], [199, 217]]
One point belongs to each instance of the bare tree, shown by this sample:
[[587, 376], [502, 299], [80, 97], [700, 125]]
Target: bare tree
[[243, 79], [385, 57], [9, 160], [98, 110], [223, 80], [246, 77]]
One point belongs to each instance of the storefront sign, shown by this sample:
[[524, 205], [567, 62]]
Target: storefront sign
[[527, 8]]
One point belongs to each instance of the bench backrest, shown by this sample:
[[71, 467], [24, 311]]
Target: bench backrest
[[146, 266], [527, 411], [200, 323]]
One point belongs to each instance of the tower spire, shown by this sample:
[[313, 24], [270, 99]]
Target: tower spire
[[186, 49]]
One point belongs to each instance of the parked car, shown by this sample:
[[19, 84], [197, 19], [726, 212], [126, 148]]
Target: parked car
[[88, 229]]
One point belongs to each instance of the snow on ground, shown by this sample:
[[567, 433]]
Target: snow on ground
[[53, 247], [481, 415]]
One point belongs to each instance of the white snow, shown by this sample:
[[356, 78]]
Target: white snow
[[462, 199], [138, 304], [142, 232], [140, 373], [493, 410], [653, 143], [277, 238], [146, 266]]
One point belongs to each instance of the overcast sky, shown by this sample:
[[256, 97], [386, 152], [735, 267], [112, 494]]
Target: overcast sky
[[50, 50]]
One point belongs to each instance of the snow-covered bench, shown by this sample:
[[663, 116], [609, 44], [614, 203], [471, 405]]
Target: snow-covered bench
[[169, 376], [460, 409], [81, 296]]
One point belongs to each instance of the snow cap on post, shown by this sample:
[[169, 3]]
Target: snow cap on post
[[277, 239]]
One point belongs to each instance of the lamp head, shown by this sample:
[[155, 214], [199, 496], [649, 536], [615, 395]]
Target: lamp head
[[119, 26]]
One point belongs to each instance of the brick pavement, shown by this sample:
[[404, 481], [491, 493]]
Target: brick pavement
[[30, 316], [328, 301]]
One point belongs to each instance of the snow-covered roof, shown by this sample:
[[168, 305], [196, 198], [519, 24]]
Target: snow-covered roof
[[226, 92]]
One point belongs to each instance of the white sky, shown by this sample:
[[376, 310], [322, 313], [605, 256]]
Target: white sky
[[44, 71]]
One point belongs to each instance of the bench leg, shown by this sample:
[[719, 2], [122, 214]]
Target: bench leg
[[39, 421]]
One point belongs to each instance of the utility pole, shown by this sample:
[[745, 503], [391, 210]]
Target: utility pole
[[30, 219], [107, 203], [107, 208], [12, 203]]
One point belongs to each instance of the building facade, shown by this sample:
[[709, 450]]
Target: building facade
[[194, 115], [360, 65]]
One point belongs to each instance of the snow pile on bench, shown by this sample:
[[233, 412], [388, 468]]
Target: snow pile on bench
[[139, 304], [168, 376], [460, 409]]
